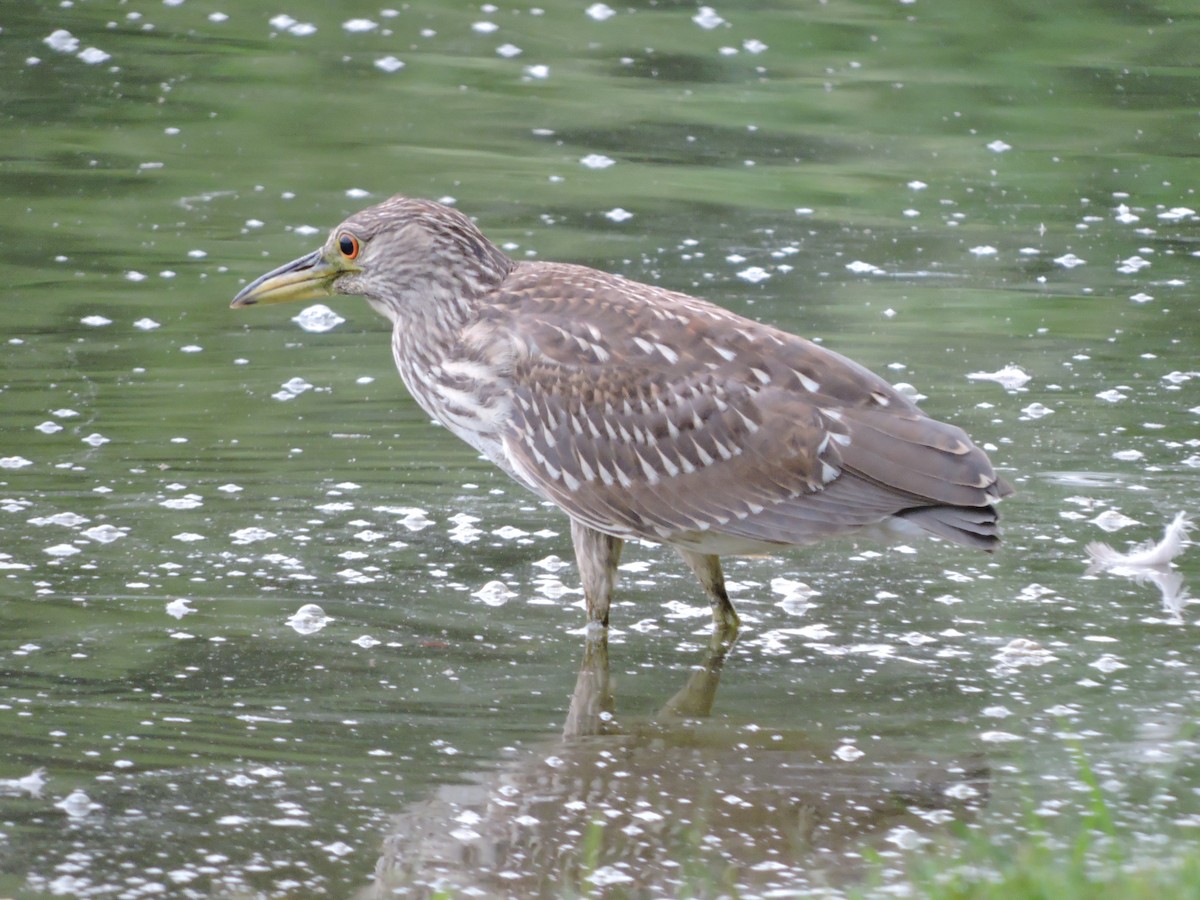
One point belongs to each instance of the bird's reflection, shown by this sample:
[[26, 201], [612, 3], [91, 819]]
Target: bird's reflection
[[593, 709], [667, 805]]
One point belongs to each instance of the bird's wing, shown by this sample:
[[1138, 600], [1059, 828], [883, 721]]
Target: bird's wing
[[648, 413]]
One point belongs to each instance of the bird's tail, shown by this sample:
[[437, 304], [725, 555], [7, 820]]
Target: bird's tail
[[975, 526]]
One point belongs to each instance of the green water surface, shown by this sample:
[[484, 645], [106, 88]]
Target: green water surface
[[935, 188]]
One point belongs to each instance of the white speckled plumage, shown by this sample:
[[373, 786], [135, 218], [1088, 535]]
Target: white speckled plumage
[[645, 413]]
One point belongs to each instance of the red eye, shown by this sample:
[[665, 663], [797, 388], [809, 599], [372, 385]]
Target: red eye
[[348, 245]]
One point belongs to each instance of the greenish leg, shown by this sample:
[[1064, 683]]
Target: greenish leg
[[707, 568]]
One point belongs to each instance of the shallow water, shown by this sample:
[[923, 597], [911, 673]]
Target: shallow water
[[937, 190]]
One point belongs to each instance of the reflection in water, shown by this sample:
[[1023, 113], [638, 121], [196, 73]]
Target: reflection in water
[[655, 807]]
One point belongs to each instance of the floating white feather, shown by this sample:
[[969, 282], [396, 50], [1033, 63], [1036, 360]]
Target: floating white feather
[[1150, 563], [1144, 556]]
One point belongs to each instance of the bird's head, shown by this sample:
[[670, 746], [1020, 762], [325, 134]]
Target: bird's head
[[408, 257]]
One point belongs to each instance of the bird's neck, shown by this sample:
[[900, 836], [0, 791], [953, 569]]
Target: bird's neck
[[427, 328], [426, 312]]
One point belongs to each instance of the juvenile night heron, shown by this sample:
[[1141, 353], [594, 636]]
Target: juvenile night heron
[[642, 412]]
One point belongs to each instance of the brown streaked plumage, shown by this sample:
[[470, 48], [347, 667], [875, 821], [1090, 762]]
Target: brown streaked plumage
[[642, 412]]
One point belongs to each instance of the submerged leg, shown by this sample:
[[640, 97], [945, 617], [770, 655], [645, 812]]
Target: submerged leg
[[707, 568], [597, 555]]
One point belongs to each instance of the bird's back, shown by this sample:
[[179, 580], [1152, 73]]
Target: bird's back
[[649, 413]]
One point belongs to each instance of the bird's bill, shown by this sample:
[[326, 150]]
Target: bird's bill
[[306, 278]]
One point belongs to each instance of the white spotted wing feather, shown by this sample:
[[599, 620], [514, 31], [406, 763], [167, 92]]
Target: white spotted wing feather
[[646, 413]]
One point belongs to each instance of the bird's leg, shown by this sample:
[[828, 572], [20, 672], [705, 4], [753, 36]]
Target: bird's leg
[[707, 568], [597, 555]]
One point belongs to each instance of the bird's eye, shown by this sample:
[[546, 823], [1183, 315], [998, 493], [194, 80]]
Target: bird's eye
[[348, 245]]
